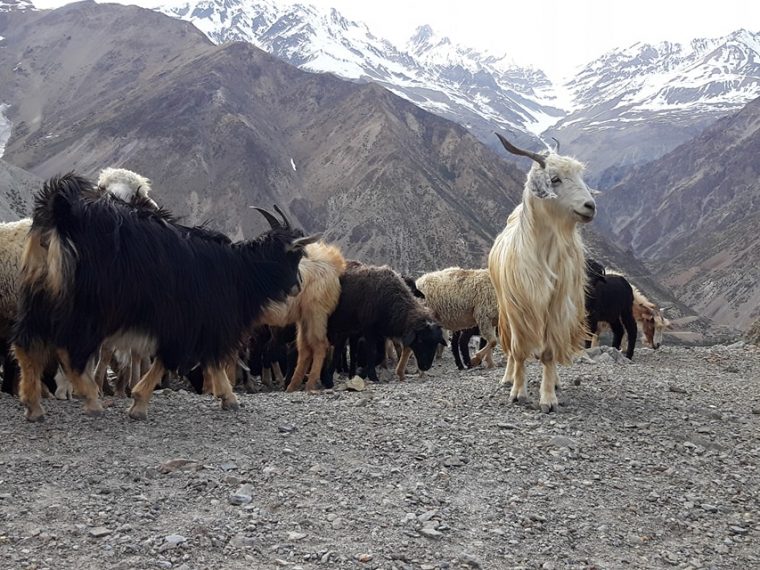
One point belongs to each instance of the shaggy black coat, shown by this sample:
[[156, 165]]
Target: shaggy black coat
[[609, 298], [131, 269], [375, 303]]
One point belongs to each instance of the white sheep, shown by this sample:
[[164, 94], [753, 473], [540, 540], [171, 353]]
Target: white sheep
[[462, 299], [538, 270]]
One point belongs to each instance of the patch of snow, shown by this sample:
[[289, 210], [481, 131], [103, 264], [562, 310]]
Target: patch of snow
[[293, 164], [5, 128]]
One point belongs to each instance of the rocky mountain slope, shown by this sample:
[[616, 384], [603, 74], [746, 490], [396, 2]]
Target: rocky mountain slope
[[694, 215], [16, 190], [220, 129]]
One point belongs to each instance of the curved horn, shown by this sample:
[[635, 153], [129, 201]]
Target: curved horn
[[556, 148], [514, 150], [274, 222], [284, 217]]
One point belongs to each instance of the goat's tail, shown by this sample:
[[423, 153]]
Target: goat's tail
[[49, 255]]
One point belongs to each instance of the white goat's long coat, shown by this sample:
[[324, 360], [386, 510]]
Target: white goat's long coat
[[537, 268]]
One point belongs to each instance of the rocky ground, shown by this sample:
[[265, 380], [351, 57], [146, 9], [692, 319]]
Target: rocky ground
[[654, 464]]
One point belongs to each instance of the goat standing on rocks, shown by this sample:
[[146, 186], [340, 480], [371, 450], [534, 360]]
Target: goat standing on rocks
[[538, 270]]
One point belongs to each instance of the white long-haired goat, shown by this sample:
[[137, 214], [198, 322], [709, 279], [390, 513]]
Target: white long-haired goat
[[538, 270]]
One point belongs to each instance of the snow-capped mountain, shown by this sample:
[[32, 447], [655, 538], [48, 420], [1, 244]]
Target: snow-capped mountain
[[480, 90], [708, 74], [628, 106], [20, 5], [635, 104]]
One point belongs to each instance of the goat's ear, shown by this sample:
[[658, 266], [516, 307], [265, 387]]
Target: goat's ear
[[541, 184], [408, 338]]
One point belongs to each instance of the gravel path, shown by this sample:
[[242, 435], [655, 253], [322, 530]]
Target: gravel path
[[653, 464]]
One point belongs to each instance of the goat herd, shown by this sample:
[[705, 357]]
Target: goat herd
[[101, 276]]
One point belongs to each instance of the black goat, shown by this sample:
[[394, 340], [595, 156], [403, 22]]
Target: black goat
[[375, 304], [609, 298], [96, 268]]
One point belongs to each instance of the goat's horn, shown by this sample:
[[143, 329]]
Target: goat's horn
[[300, 243], [514, 150], [284, 217], [274, 222], [556, 148]]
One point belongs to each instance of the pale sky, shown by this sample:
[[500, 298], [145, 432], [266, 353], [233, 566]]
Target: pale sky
[[553, 35]]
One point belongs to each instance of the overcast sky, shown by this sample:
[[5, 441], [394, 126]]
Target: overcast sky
[[554, 35]]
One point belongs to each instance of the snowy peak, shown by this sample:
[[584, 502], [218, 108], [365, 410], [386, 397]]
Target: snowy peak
[[708, 72], [16, 5]]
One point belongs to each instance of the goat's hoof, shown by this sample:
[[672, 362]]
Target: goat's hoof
[[292, 388], [549, 407], [230, 404], [94, 410], [34, 415], [137, 413]]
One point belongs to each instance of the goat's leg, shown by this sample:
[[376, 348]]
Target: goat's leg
[[83, 384], [304, 356], [455, 336], [142, 392], [63, 388], [402, 362], [617, 334], [105, 354], [631, 331], [484, 353], [222, 386], [592, 326], [549, 380], [31, 364], [519, 392], [509, 371], [319, 352], [277, 374]]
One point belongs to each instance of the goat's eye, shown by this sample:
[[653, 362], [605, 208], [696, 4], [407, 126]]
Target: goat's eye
[[556, 180]]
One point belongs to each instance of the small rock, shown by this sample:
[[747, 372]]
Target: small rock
[[562, 441], [242, 541], [503, 425], [453, 462], [709, 508], [356, 384], [242, 496], [577, 381], [229, 466], [175, 539], [364, 557], [293, 536], [430, 532], [99, 532], [179, 464], [426, 516], [738, 530], [756, 411], [286, 428], [676, 389], [164, 564], [470, 560]]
